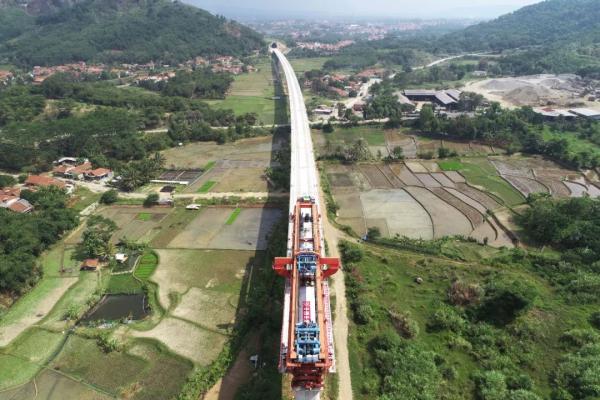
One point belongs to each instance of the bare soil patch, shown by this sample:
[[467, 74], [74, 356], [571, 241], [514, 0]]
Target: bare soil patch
[[416, 167], [525, 185], [340, 180], [391, 176], [478, 196], [443, 179], [471, 213], [455, 176]]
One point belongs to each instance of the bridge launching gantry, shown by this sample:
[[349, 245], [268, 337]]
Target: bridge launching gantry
[[306, 350]]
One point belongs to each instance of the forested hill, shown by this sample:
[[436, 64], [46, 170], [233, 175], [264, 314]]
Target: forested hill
[[545, 23], [134, 31]]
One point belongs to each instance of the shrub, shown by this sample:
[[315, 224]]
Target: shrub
[[595, 320], [505, 300], [578, 375], [407, 327], [446, 318], [362, 313], [373, 233], [106, 343], [350, 252], [522, 394], [464, 294], [490, 385], [151, 200], [7, 180], [579, 337], [109, 197]]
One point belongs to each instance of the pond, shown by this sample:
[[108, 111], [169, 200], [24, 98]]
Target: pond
[[113, 307]]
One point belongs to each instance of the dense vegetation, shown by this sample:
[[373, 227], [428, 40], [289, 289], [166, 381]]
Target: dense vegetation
[[23, 237], [557, 36], [201, 83], [34, 135], [134, 32], [467, 322], [519, 130]]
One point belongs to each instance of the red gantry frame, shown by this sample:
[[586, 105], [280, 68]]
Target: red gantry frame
[[307, 339]]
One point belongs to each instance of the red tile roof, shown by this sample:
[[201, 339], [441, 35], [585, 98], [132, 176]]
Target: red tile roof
[[40, 180], [20, 206], [98, 172]]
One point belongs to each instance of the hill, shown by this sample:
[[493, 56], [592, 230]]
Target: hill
[[548, 22], [555, 36], [134, 31]]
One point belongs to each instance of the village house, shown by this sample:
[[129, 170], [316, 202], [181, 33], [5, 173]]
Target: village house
[[91, 264], [72, 172], [36, 181], [98, 174], [15, 204]]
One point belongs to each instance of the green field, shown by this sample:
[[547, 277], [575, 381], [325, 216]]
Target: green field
[[124, 284], [233, 216], [254, 93], [82, 198], [576, 144], [442, 345], [209, 165], [144, 217], [146, 266], [451, 165], [205, 188], [480, 172], [373, 135], [301, 65]]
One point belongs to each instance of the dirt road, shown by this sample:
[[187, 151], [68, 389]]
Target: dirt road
[[340, 323]]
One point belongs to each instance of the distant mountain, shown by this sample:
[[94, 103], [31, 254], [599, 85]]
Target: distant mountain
[[556, 36], [50, 32], [548, 22]]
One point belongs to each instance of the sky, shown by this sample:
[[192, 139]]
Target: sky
[[480, 9]]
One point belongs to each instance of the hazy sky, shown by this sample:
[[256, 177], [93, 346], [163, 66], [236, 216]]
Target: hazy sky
[[358, 8]]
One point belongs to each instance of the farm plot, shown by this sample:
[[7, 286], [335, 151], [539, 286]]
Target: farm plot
[[339, 180], [416, 167], [397, 213], [186, 339], [447, 220], [50, 385], [375, 177], [199, 154], [461, 148], [481, 173], [557, 188], [526, 186], [134, 223], [209, 230], [407, 143], [405, 175], [208, 308], [455, 176], [471, 213], [428, 181], [513, 168], [443, 179], [426, 145], [391, 176], [479, 196], [218, 270], [576, 189], [350, 210]]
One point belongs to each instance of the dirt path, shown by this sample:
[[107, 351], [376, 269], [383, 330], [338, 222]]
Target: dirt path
[[239, 373], [340, 323]]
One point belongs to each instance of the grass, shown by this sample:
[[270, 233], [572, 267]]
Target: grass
[[83, 198], [234, 215], [205, 188], [373, 135], [451, 165], [146, 266], [171, 226], [301, 65], [480, 172], [576, 144], [15, 371], [253, 93], [124, 284], [209, 165], [144, 217], [385, 280]]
